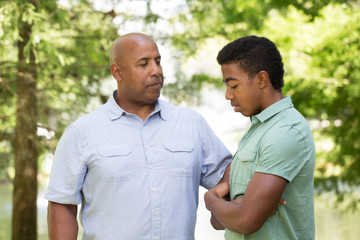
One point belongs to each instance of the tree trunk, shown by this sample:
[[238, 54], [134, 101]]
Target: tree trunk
[[24, 220]]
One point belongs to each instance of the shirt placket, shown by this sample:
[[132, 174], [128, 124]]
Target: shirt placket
[[153, 181]]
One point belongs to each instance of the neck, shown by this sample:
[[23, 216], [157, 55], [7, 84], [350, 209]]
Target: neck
[[141, 110], [272, 98]]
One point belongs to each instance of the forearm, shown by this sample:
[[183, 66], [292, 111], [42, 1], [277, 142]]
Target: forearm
[[230, 215], [226, 176], [215, 223], [262, 197], [62, 222]]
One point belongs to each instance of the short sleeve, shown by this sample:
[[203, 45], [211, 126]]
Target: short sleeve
[[215, 156], [68, 170], [282, 153]]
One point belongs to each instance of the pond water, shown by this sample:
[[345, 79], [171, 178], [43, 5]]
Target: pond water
[[330, 223]]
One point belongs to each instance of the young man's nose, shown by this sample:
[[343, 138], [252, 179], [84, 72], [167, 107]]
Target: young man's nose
[[228, 94]]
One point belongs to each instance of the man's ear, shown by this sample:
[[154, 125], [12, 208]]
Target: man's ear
[[262, 79], [116, 72]]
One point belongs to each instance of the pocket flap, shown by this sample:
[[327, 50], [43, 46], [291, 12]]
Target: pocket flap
[[112, 151], [181, 146], [246, 155]]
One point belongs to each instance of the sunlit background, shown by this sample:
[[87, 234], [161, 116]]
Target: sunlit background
[[319, 42]]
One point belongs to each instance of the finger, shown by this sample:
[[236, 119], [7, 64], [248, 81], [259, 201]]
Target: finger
[[273, 213]]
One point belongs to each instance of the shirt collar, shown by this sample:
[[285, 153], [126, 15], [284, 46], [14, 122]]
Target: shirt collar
[[163, 109], [274, 109], [114, 111]]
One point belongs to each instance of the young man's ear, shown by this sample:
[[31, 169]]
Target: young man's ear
[[262, 79], [116, 72]]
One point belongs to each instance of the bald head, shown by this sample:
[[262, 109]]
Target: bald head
[[125, 44]]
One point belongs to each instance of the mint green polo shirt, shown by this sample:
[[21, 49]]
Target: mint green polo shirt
[[279, 142]]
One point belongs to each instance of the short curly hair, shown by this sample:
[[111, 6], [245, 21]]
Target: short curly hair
[[255, 54]]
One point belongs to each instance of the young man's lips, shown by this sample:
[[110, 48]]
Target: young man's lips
[[236, 108]]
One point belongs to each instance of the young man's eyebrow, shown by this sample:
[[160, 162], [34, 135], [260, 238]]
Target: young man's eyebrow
[[227, 80]]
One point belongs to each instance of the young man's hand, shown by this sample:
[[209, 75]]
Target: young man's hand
[[222, 190], [281, 202]]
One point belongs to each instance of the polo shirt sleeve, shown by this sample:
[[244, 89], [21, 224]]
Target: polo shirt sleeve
[[282, 153], [215, 156], [68, 170]]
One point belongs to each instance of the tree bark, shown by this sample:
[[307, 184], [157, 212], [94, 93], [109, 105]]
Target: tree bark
[[24, 218]]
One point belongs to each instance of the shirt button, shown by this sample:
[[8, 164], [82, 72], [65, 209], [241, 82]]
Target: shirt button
[[156, 213], [155, 237], [151, 167], [154, 189], [147, 146]]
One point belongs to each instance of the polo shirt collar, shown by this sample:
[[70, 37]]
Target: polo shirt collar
[[114, 111], [274, 109]]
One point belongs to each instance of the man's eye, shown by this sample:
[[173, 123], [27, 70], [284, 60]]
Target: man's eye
[[233, 87], [143, 64]]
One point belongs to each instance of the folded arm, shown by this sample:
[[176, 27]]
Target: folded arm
[[248, 215], [226, 178]]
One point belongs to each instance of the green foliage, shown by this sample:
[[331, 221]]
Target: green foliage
[[234, 18], [71, 49], [323, 78], [327, 88], [187, 90]]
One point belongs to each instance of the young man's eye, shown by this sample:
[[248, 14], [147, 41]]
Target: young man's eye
[[233, 87]]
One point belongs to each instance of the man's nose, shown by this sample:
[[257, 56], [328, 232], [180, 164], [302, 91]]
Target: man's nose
[[156, 69]]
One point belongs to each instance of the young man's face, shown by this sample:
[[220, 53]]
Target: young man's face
[[243, 91]]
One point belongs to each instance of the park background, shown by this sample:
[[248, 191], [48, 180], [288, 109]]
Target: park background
[[54, 68]]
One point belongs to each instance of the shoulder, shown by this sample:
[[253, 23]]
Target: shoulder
[[91, 119], [290, 131]]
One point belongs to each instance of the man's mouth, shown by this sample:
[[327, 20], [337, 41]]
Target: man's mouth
[[155, 85]]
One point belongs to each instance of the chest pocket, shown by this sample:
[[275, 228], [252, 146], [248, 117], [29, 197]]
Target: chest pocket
[[242, 169], [178, 158], [113, 151], [114, 164]]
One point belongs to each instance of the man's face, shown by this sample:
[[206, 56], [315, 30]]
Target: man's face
[[241, 90], [141, 72]]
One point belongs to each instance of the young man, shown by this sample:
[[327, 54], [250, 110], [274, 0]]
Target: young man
[[136, 163], [275, 157]]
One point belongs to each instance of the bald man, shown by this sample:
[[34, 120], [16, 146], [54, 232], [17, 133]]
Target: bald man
[[135, 164]]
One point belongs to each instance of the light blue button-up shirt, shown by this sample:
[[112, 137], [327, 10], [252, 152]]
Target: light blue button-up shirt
[[137, 179]]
